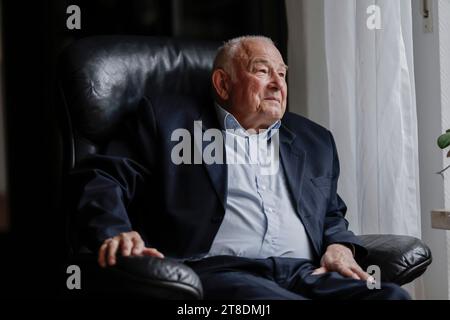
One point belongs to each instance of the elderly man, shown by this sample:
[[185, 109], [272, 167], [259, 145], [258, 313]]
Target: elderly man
[[248, 231]]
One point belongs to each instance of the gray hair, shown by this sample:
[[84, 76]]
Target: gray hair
[[227, 53]]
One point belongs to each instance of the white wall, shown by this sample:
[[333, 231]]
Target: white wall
[[444, 40], [307, 76], [429, 113]]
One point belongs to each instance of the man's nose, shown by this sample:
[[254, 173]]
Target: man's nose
[[276, 81]]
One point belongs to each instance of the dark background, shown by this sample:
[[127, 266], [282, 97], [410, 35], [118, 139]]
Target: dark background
[[33, 252]]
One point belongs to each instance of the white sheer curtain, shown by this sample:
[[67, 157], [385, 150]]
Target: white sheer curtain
[[373, 113], [359, 83], [367, 99]]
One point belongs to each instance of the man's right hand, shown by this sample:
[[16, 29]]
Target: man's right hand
[[129, 244]]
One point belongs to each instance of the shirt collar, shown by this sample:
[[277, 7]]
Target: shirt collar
[[229, 123]]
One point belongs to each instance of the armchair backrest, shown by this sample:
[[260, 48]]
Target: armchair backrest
[[103, 78], [101, 81]]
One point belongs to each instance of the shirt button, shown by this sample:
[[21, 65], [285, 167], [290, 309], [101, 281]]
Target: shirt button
[[263, 187]]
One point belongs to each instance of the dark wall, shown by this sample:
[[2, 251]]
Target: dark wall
[[216, 20], [30, 249], [33, 251]]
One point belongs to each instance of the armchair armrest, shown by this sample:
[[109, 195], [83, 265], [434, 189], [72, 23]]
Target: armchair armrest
[[143, 277], [401, 258]]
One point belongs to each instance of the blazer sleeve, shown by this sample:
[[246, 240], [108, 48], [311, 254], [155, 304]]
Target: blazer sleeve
[[335, 225], [104, 187]]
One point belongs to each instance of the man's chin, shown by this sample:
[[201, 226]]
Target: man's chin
[[274, 111]]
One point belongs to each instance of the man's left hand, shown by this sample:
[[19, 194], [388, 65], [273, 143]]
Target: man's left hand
[[339, 258]]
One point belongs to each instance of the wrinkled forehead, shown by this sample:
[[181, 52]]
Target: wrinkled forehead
[[259, 50]]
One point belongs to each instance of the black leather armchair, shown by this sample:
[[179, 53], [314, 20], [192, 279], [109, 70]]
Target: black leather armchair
[[101, 80]]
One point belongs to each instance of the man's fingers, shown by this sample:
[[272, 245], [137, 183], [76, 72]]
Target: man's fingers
[[126, 245], [371, 280], [361, 273], [347, 272], [112, 249], [152, 252], [355, 276], [129, 243], [102, 255], [319, 271], [138, 246]]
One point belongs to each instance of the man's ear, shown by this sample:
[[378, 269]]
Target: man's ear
[[221, 83]]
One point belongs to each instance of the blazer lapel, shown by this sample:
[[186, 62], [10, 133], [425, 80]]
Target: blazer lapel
[[293, 160], [217, 172]]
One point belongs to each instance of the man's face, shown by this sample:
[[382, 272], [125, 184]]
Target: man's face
[[258, 93]]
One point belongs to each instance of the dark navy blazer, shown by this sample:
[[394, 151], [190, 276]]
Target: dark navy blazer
[[179, 208]]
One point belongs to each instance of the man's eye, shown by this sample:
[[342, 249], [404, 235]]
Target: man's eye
[[282, 74]]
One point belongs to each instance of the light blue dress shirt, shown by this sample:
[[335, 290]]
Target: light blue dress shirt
[[260, 220]]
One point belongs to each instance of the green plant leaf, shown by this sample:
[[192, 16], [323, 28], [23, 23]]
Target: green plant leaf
[[444, 140]]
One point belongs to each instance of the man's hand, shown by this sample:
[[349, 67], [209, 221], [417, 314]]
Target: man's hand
[[340, 258], [129, 244]]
